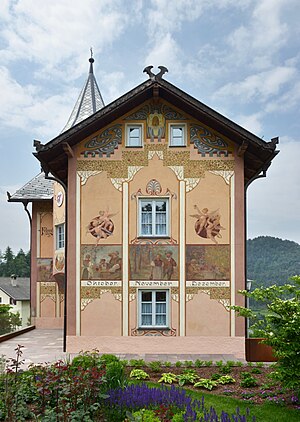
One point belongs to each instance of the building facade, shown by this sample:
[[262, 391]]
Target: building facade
[[147, 240]]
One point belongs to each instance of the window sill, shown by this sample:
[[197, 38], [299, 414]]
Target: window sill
[[177, 146], [133, 146], [154, 237], [154, 328]]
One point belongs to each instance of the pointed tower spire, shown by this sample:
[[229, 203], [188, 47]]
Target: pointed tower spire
[[89, 101]]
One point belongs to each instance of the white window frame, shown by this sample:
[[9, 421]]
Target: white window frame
[[139, 126], [60, 236], [172, 142], [153, 200], [153, 325]]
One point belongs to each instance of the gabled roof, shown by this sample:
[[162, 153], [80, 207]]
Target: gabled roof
[[89, 101], [258, 154], [38, 188], [19, 291]]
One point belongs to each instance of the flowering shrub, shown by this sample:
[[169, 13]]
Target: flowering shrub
[[170, 404]]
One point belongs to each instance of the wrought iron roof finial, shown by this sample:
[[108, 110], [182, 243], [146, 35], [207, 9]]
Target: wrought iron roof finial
[[152, 75], [91, 60]]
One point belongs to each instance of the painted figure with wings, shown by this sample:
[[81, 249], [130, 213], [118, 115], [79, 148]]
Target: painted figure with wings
[[208, 224], [101, 226]]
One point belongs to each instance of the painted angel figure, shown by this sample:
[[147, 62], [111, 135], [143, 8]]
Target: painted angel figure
[[101, 226], [208, 223]]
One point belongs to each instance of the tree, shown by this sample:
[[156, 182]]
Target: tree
[[11, 264], [279, 326], [9, 321]]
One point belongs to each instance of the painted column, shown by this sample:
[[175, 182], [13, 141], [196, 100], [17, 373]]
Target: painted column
[[78, 241], [232, 254], [182, 300], [33, 263], [71, 253], [125, 242], [38, 254]]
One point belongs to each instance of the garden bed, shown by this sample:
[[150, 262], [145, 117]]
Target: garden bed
[[103, 388], [266, 389]]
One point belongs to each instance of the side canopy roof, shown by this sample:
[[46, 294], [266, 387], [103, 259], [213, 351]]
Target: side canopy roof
[[258, 154]]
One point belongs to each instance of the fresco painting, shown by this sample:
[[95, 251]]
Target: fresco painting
[[101, 262], [153, 262], [101, 226], [45, 269], [208, 262], [208, 224]]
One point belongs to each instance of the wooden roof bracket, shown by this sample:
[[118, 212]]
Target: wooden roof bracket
[[242, 148]]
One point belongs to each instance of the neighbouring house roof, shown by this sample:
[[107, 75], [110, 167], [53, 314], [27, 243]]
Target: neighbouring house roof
[[38, 188], [19, 291], [89, 101], [258, 154]]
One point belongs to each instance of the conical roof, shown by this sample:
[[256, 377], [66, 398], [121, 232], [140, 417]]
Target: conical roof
[[89, 101]]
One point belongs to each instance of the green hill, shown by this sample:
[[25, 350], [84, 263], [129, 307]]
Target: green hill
[[271, 260]]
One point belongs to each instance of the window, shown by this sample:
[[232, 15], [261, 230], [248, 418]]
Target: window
[[134, 135], [153, 308], [12, 301], [153, 217], [60, 236], [177, 135]]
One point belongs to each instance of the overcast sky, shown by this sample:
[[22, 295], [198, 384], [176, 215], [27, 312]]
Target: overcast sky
[[240, 57]]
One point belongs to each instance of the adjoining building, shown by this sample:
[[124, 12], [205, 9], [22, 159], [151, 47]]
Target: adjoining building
[[148, 237], [15, 291]]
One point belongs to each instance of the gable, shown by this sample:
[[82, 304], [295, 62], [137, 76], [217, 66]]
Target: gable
[[257, 153]]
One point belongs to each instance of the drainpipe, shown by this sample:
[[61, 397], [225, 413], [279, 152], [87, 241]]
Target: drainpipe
[[25, 205], [262, 173], [55, 179]]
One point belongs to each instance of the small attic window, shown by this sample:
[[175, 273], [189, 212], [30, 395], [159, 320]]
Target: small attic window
[[177, 135], [134, 135]]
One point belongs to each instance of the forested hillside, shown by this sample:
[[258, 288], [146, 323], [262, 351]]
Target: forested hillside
[[272, 260]]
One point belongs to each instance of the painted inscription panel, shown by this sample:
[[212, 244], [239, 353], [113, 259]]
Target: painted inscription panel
[[208, 262], [101, 262], [153, 262]]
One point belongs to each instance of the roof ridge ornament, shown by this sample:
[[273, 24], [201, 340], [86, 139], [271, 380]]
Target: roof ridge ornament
[[152, 75]]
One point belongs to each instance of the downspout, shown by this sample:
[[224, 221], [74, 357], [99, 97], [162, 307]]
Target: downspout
[[25, 204], [262, 173], [55, 179]]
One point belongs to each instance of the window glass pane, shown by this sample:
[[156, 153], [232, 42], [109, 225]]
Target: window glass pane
[[177, 135], [146, 218], [177, 132], [160, 218], [134, 136], [161, 320], [146, 296], [161, 296], [146, 319], [147, 308]]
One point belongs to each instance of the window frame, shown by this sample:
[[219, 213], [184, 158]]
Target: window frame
[[129, 126], [177, 125], [154, 200], [59, 242], [153, 302]]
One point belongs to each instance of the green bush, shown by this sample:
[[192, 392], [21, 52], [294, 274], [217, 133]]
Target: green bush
[[138, 374], [280, 327], [115, 374], [155, 365], [108, 358], [86, 360]]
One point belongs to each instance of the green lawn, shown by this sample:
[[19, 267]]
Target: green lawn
[[263, 413]]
